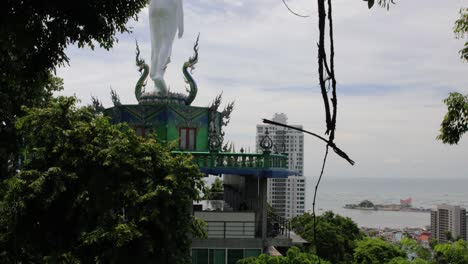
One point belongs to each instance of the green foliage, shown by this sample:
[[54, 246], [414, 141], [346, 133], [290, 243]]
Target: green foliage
[[448, 235], [12, 96], [336, 235], [216, 188], [402, 260], [420, 261], [461, 32], [217, 185], [399, 260], [382, 3], [92, 192], [38, 31], [293, 256], [34, 35], [455, 122], [410, 246], [451, 253], [376, 251]]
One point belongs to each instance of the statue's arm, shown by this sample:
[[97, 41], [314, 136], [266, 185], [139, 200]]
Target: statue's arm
[[180, 17]]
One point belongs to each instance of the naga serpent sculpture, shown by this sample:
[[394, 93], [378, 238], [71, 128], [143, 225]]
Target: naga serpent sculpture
[[142, 67], [190, 64], [188, 75]]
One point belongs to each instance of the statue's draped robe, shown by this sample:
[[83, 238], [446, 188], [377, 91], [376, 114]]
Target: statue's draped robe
[[166, 17]]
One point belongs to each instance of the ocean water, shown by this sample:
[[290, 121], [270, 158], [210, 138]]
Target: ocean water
[[334, 193]]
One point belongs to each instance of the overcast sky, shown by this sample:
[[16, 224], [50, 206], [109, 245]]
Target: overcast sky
[[393, 69]]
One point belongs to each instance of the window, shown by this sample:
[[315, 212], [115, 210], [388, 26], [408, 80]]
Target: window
[[187, 138], [199, 256], [217, 256], [234, 255], [142, 131], [252, 253]]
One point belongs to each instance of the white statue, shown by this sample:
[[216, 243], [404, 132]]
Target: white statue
[[166, 18]]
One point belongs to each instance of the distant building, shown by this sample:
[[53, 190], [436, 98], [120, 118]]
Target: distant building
[[406, 202], [424, 238], [286, 196], [448, 218]]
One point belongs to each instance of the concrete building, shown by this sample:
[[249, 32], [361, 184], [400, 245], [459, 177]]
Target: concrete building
[[286, 196], [448, 218]]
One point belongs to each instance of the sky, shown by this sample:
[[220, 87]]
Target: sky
[[393, 70]]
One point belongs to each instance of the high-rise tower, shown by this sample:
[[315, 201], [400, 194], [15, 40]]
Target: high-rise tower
[[286, 196], [448, 219]]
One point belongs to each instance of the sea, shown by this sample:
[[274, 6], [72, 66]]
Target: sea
[[334, 193]]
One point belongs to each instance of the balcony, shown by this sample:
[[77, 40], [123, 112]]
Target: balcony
[[228, 224], [224, 225], [259, 164]]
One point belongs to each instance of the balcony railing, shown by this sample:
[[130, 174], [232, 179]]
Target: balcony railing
[[228, 224], [238, 160], [230, 229]]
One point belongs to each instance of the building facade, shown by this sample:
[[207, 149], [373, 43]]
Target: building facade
[[286, 196], [448, 219]]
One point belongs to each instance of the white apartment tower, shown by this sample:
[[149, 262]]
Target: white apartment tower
[[448, 218], [286, 196]]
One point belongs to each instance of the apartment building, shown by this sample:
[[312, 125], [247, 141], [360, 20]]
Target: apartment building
[[448, 218], [286, 196]]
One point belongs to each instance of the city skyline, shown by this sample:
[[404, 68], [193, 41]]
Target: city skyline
[[391, 82]]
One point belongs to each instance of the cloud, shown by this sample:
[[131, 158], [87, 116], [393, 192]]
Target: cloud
[[393, 68]]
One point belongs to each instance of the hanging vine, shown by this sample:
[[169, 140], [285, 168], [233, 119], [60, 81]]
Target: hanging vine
[[327, 81]]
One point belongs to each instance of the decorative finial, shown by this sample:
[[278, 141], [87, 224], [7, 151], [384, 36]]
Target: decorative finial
[[266, 144]]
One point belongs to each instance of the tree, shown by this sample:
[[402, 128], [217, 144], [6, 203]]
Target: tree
[[12, 100], [461, 31], [92, 192], [433, 242], [212, 193], [338, 235], [449, 236], [455, 122], [294, 255], [217, 185], [410, 246], [453, 253], [35, 34], [376, 251]]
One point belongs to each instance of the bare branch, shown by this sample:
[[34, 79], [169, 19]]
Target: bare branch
[[294, 13], [337, 150]]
